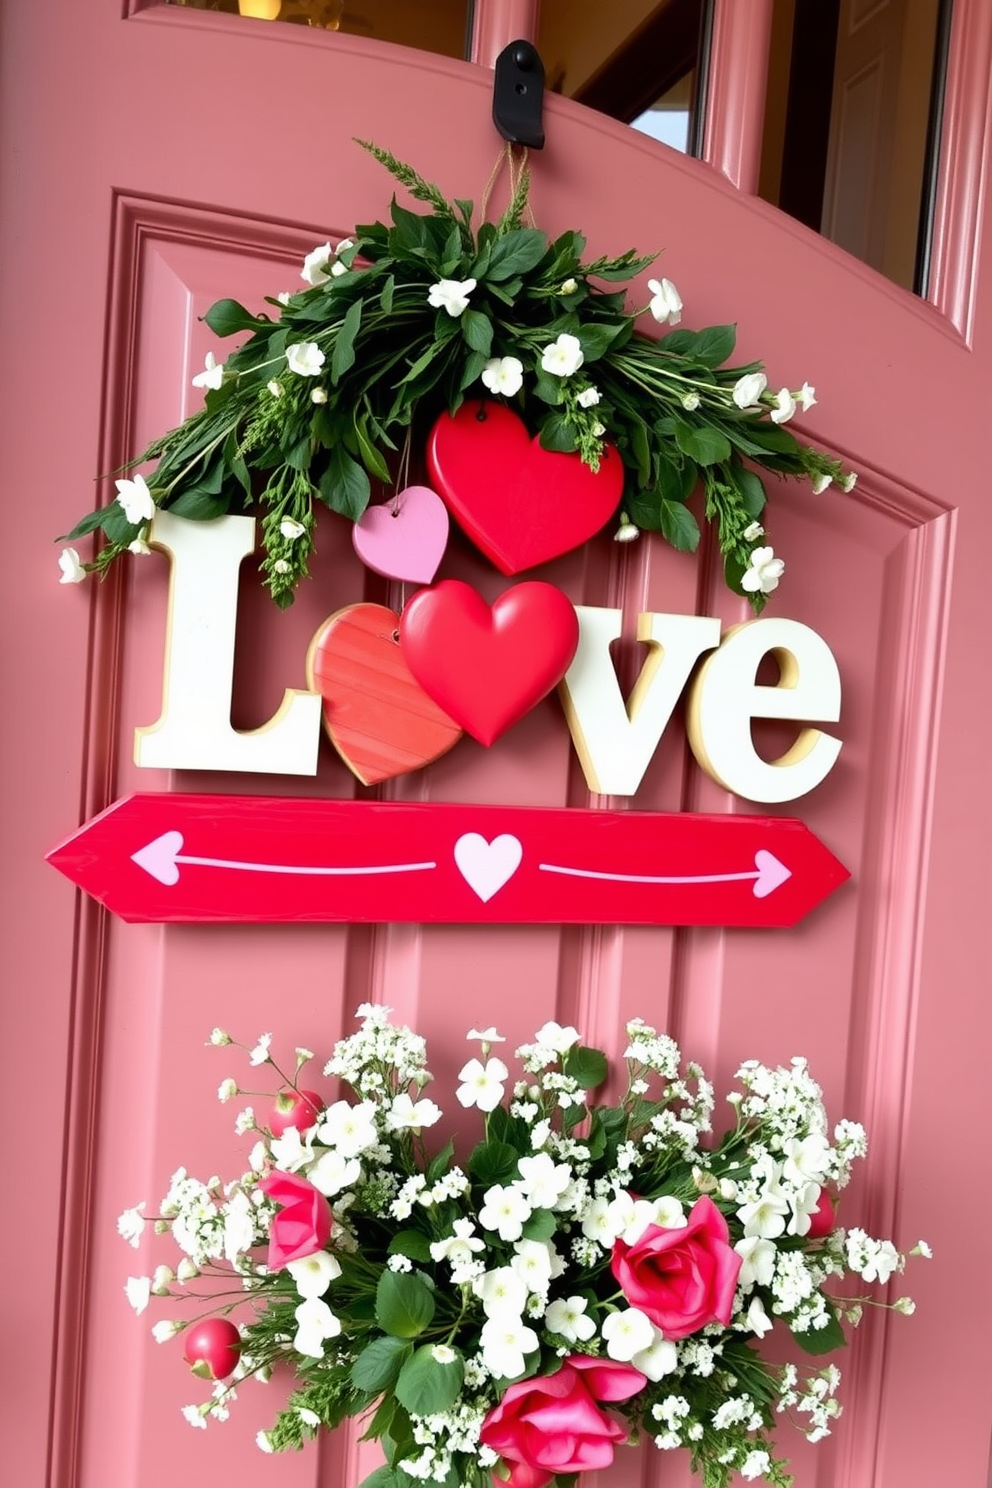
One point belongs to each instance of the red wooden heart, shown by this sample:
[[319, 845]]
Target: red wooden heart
[[380, 721], [520, 504], [488, 667]]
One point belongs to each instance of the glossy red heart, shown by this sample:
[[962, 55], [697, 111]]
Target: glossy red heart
[[485, 666], [520, 504], [379, 719]]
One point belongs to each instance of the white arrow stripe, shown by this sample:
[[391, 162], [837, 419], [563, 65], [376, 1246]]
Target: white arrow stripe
[[642, 877], [289, 868]]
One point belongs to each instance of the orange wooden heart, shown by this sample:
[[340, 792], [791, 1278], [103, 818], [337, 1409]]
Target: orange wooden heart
[[377, 716]]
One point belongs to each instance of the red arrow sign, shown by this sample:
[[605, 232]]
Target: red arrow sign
[[254, 859]]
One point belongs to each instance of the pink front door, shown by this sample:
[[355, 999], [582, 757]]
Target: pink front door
[[158, 159]]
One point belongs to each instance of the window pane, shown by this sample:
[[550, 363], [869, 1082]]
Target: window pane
[[852, 124], [636, 60], [433, 25]]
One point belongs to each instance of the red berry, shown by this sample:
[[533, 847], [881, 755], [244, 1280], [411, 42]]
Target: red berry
[[821, 1221], [300, 1108], [213, 1348]]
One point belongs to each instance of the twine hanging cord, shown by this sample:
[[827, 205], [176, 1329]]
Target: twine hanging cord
[[515, 158]]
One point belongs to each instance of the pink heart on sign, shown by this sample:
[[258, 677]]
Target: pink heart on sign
[[771, 873], [405, 538]]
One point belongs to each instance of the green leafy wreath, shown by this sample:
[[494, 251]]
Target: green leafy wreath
[[408, 319]]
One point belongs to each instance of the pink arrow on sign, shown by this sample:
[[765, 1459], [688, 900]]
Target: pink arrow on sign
[[255, 859]]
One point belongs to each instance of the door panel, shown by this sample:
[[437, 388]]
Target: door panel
[[208, 155]]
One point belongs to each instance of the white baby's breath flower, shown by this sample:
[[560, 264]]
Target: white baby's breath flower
[[219, 1037], [162, 1280], [318, 395], [260, 1053], [274, 387], [753, 532], [305, 358], [503, 375], [227, 1090], [666, 302], [626, 532], [308, 1417], [131, 1224], [691, 400], [850, 481], [451, 295], [281, 566], [589, 397], [195, 1415], [135, 500], [568, 286], [284, 297], [71, 570], [212, 375], [138, 1290], [139, 547], [165, 1329], [820, 482], [563, 357], [291, 530], [263, 1441]]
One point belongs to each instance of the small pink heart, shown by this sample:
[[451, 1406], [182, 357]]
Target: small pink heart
[[771, 874], [405, 538]]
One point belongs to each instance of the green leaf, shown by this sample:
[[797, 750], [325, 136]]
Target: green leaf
[[116, 525], [752, 490], [542, 1223], [440, 1163], [383, 1477], [426, 1386], [344, 346], [548, 388], [472, 370], [386, 295], [404, 1305], [595, 340], [344, 486], [587, 1066], [412, 1243], [558, 434], [715, 344], [378, 1366], [676, 481], [822, 1340], [516, 252], [371, 457], [227, 316], [478, 331], [679, 526], [88, 524], [705, 445], [493, 1162], [198, 505]]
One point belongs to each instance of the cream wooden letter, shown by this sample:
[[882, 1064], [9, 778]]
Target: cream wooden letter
[[194, 731], [724, 698], [614, 740]]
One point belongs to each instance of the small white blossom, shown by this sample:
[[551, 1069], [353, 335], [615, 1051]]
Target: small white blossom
[[806, 397], [757, 1318], [505, 1210], [691, 400], [627, 1333], [318, 395], [666, 302], [305, 358], [563, 356], [291, 530], [569, 286], [227, 1090], [71, 569], [763, 572], [505, 1340], [850, 481], [567, 1317], [406, 1115], [131, 1224], [748, 389], [263, 1441], [194, 1415], [450, 295], [315, 1323], [785, 407], [314, 1273], [553, 1036], [820, 482], [753, 532], [756, 1464], [135, 499], [219, 1037], [165, 1329], [260, 1053], [503, 375], [314, 269], [482, 1084], [212, 375], [486, 1036], [138, 1290], [589, 397], [139, 547], [274, 387], [284, 297]]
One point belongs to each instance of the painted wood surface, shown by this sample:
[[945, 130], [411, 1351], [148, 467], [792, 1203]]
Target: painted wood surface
[[379, 719], [116, 239], [263, 860]]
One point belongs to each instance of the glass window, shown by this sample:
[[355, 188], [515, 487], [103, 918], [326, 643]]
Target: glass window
[[636, 60], [852, 125], [433, 25]]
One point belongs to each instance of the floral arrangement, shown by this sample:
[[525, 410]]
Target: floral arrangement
[[408, 319], [583, 1276]]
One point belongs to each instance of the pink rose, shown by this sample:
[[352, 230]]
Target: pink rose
[[303, 1225], [554, 1425], [681, 1278]]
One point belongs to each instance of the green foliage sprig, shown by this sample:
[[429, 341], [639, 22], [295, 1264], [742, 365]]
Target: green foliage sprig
[[412, 317]]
